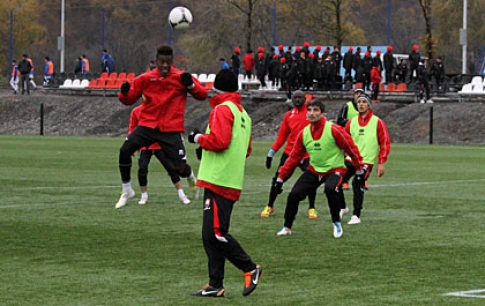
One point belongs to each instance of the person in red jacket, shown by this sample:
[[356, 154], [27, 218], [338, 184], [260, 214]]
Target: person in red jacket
[[249, 62], [326, 144], [144, 157], [164, 94], [371, 136], [293, 122], [375, 78]]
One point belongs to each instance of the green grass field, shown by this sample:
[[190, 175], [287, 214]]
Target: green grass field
[[63, 243]]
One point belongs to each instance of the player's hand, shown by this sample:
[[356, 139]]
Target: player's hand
[[269, 159], [125, 88], [278, 186], [187, 80], [360, 178], [193, 135]]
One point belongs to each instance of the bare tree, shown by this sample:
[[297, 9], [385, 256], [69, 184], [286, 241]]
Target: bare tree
[[248, 11], [428, 39]]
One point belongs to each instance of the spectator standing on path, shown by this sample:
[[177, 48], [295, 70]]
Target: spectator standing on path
[[84, 64], [325, 143], [423, 82], [414, 60], [389, 64], [78, 65], [371, 136], [261, 69], [144, 157], [14, 77], [347, 64], [293, 123], [438, 72], [248, 62], [164, 92], [31, 73], [225, 146], [367, 64], [107, 62], [236, 61], [375, 76], [25, 67], [48, 70]]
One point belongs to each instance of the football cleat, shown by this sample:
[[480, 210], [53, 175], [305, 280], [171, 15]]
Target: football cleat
[[209, 291], [267, 211], [125, 197], [337, 230], [184, 200], [354, 220], [251, 280], [143, 200], [343, 212], [312, 213], [284, 231]]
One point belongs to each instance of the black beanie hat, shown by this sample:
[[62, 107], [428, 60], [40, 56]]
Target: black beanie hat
[[226, 81]]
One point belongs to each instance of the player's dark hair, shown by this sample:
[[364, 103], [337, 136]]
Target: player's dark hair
[[318, 102], [165, 50]]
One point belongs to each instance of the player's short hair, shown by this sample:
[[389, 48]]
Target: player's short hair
[[318, 102], [165, 50]]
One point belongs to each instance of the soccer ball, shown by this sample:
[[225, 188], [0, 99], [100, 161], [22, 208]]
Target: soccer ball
[[180, 18]]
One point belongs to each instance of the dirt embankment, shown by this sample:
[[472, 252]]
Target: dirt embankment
[[453, 123]]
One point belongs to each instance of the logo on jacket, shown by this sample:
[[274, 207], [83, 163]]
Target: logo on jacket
[[207, 204]]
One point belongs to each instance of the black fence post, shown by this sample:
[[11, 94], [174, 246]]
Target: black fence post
[[431, 125], [41, 119]]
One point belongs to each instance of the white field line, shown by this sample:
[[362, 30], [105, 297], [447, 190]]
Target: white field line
[[468, 294]]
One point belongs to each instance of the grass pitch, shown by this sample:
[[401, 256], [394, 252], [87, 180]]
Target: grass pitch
[[63, 243]]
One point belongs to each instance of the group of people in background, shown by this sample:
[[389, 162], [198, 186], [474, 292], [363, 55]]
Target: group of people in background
[[23, 72], [291, 68]]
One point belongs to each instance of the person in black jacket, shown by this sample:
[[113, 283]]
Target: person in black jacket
[[414, 59], [367, 63], [423, 82], [347, 64], [401, 71], [389, 64], [25, 67], [438, 72], [357, 62]]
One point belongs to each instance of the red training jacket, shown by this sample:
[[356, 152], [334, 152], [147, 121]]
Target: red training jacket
[[293, 122], [342, 140], [382, 135], [164, 99], [248, 61], [221, 120]]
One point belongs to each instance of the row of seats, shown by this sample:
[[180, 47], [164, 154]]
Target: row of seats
[[104, 81], [476, 86]]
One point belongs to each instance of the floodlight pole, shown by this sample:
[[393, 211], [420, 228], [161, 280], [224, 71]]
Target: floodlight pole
[[61, 38], [463, 38]]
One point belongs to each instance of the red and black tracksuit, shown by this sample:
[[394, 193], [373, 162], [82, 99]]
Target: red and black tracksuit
[[162, 118]]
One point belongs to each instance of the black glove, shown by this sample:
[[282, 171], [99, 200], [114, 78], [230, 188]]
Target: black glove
[[278, 186], [192, 135], [360, 179], [268, 161], [125, 88], [198, 153], [187, 79]]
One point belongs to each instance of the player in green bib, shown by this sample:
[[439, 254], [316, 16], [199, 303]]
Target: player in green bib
[[326, 144], [371, 136], [225, 146]]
